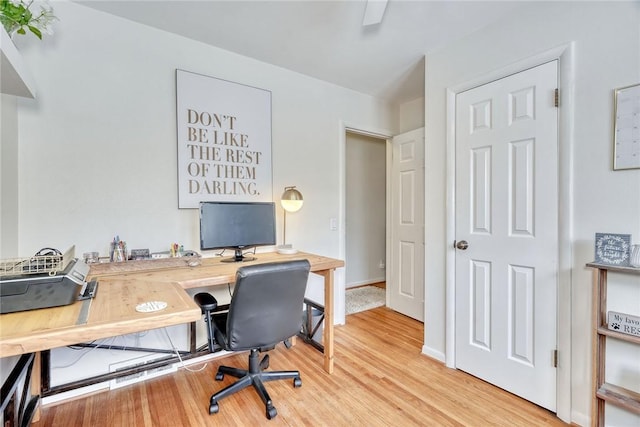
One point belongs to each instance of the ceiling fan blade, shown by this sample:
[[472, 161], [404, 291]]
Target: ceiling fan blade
[[374, 11]]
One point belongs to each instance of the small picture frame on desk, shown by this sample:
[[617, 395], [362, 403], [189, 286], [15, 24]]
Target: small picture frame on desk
[[138, 254], [612, 249]]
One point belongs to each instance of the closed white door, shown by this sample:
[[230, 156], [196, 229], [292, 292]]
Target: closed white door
[[507, 233], [405, 283]]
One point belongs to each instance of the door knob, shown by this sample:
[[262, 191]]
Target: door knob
[[462, 245]]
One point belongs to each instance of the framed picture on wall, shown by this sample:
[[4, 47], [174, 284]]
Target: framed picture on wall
[[224, 141], [626, 133]]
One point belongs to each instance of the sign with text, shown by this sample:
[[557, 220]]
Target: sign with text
[[612, 249], [224, 141], [625, 323]]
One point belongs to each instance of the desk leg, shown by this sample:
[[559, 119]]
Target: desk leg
[[36, 383], [328, 320]]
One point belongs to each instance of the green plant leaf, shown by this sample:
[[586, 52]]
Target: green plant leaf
[[6, 23], [16, 16], [36, 31]]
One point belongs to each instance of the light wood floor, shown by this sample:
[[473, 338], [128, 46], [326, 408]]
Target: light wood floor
[[380, 379]]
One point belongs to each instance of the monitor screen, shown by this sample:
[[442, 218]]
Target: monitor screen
[[237, 226]]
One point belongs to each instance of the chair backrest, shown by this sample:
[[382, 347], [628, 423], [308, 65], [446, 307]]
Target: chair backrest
[[267, 303]]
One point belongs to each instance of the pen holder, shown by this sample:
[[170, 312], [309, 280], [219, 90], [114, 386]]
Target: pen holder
[[118, 251]]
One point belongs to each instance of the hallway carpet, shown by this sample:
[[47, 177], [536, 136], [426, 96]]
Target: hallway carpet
[[364, 298]]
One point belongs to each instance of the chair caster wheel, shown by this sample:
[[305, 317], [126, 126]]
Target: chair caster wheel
[[271, 412], [213, 408], [297, 382], [219, 376]]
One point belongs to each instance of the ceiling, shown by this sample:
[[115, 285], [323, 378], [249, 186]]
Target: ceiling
[[324, 39]]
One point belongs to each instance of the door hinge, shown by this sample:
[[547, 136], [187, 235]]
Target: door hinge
[[555, 358], [556, 98]]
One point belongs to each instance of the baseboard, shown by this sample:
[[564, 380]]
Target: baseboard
[[580, 419], [364, 283], [83, 392], [434, 354], [78, 393]]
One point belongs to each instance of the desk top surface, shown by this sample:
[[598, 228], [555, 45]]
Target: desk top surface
[[112, 312], [121, 287], [211, 271]]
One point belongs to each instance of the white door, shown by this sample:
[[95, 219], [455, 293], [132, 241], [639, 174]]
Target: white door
[[405, 282], [507, 214]]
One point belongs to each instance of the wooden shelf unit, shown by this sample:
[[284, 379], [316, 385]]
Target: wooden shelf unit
[[603, 391]]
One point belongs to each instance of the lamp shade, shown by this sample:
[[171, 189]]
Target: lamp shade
[[291, 199]]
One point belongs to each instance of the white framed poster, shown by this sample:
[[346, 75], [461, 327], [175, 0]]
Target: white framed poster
[[626, 134], [224, 140]]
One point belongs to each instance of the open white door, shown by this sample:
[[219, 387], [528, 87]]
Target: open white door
[[405, 282], [507, 233]]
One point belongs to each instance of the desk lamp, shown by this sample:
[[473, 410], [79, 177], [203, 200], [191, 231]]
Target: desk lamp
[[291, 201]]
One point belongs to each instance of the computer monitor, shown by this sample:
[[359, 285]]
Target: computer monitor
[[238, 226]]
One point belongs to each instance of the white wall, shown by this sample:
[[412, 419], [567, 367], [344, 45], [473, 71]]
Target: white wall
[[365, 209], [411, 115], [98, 146], [607, 56], [8, 171]]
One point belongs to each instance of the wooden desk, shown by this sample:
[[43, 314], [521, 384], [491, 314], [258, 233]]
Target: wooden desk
[[213, 272], [124, 285], [112, 312]]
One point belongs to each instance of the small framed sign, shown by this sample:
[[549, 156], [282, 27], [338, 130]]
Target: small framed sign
[[137, 254], [625, 323], [612, 249]]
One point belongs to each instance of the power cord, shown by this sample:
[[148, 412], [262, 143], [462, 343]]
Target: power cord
[[48, 252], [68, 365], [182, 364], [107, 345]]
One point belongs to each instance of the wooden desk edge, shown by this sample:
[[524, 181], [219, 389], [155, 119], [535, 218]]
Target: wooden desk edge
[[132, 268], [46, 339]]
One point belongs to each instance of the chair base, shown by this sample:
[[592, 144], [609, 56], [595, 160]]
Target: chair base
[[255, 376]]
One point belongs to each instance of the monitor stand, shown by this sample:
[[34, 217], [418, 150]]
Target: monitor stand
[[238, 256]]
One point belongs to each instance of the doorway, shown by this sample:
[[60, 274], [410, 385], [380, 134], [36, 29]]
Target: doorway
[[365, 209], [403, 267]]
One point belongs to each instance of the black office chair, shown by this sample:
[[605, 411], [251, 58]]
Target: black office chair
[[266, 308]]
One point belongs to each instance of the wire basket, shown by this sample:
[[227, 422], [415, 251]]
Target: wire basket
[[37, 264]]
